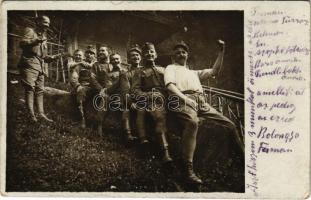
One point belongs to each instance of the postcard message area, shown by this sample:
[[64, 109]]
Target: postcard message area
[[277, 99]]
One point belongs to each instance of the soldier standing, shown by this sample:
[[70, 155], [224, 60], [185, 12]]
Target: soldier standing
[[148, 84], [186, 86], [31, 65]]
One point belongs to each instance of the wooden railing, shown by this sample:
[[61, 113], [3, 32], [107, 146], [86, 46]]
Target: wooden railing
[[229, 103]]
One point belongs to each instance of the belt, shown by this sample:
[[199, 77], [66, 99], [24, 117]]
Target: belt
[[192, 92]]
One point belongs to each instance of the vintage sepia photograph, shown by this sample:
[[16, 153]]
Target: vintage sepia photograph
[[125, 101]]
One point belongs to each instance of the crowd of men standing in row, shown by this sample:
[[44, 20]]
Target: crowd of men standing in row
[[105, 76]]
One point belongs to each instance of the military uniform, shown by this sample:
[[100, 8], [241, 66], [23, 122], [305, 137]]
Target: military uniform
[[31, 65], [113, 80], [92, 50], [81, 80], [149, 90]]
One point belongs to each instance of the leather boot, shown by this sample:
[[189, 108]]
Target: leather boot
[[140, 126], [128, 136], [188, 173], [39, 99], [127, 127], [166, 155], [100, 130], [29, 97], [164, 145], [81, 110]]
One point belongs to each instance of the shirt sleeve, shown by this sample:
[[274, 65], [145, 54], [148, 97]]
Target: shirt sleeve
[[169, 75], [204, 74]]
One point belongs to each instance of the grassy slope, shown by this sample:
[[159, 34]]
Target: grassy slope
[[62, 157]]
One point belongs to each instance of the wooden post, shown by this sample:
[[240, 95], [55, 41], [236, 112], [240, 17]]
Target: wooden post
[[56, 78], [63, 69], [58, 51]]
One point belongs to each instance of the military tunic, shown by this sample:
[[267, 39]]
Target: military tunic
[[148, 82], [33, 58], [149, 90]]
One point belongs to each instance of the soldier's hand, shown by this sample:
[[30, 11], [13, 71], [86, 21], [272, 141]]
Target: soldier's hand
[[192, 103], [103, 92], [41, 39], [79, 89]]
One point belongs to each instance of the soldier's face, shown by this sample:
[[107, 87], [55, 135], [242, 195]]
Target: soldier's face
[[89, 56], [115, 60], [150, 54], [44, 23], [181, 55], [103, 53], [134, 57], [78, 56]]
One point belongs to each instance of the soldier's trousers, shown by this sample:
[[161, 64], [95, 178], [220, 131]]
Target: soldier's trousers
[[189, 117], [32, 80], [33, 83], [159, 119], [109, 104]]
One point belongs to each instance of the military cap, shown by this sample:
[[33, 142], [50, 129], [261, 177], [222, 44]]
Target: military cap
[[147, 46], [91, 49], [43, 17], [135, 47], [181, 44]]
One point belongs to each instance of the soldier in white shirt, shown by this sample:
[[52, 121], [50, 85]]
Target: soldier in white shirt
[[185, 85]]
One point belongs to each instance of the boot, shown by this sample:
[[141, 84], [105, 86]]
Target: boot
[[140, 126], [188, 173], [81, 110], [164, 144], [166, 158], [129, 137], [99, 130], [39, 98], [127, 127], [29, 97]]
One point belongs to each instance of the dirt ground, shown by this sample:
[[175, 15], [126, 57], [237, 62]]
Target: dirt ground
[[63, 157]]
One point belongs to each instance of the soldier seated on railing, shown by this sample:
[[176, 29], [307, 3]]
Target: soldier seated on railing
[[81, 78], [184, 84], [110, 80], [148, 82]]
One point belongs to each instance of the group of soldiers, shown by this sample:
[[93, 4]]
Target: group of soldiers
[[103, 75]]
